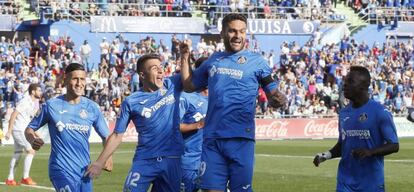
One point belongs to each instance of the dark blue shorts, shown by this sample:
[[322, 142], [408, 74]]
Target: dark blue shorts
[[227, 163], [190, 181], [164, 173]]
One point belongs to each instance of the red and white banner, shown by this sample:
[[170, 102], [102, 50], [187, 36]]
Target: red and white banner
[[296, 128]]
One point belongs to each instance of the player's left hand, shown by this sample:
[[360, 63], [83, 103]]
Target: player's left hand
[[94, 170], [278, 99], [361, 153]]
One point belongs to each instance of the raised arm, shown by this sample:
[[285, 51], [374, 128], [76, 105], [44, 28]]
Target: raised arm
[[186, 71]]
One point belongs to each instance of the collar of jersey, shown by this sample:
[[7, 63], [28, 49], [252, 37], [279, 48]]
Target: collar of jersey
[[228, 54]]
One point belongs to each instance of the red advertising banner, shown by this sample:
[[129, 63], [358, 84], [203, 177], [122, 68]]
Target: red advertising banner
[[275, 129], [296, 128]]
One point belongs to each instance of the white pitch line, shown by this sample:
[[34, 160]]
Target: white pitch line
[[33, 186], [311, 157], [257, 154]]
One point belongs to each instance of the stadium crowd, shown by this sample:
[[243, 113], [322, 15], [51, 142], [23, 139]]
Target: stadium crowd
[[310, 75]]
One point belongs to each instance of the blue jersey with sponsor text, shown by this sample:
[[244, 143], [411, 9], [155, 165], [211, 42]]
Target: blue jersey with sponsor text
[[69, 128], [368, 126], [156, 119], [233, 81], [193, 108]]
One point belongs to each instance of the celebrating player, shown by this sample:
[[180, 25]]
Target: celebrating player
[[366, 134], [25, 110], [193, 109], [233, 78], [154, 110], [70, 118]]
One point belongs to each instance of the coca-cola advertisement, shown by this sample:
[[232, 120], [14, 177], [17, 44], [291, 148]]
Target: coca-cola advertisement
[[306, 128]]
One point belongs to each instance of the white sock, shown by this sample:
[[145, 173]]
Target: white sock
[[27, 164], [13, 164]]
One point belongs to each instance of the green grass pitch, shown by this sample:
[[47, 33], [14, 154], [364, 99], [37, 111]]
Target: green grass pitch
[[284, 166]]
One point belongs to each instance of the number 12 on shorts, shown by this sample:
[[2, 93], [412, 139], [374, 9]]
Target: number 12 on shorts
[[133, 178]]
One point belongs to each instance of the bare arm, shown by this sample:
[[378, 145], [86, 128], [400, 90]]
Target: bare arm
[[111, 144], [11, 123], [186, 71], [276, 98], [383, 150], [33, 139], [184, 128]]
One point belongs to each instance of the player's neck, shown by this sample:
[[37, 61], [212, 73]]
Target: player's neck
[[34, 99], [72, 99], [362, 100]]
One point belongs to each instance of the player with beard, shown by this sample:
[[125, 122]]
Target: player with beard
[[25, 110], [233, 78]]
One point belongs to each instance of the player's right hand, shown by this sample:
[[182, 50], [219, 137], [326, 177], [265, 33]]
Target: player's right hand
[[185, 47], [94, 170], [37, 143], [318, 159], [7, 136]]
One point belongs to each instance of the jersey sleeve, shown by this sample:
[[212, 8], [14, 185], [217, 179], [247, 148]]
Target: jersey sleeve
[[20, 107], [100, 124], [40, 119], [123, 120], [200, 76], [265, 72], [387, 127], [183, 107], [176, 81]]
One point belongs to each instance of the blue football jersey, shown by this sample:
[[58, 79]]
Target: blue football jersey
[[156, 119], [193, 108], [368, 126], [233, 81], [69, 128]]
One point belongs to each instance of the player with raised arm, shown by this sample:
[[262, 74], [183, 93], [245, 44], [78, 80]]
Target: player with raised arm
[[25, 110], [70, 118], [366, 134], [154, 110], [193, 109], [233, 78]]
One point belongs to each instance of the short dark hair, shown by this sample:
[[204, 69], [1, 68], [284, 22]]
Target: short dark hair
[[141, 61], [363, 74], [33, 87], [231, 17], [73, 67], [200, 61]]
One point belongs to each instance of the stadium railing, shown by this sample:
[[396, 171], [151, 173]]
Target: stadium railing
[[84, 10], [375, 15]]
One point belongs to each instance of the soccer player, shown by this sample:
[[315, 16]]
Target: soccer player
[[193, 109], [154, 110], [366, 134], [70, 118], [233, 78], [25, 110]]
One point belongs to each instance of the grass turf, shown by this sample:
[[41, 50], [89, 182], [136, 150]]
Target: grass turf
[[280, 166]]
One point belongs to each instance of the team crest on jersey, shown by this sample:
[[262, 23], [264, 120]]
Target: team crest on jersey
[[363, 117], [163, 91], [242, 60], [83, 114]]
